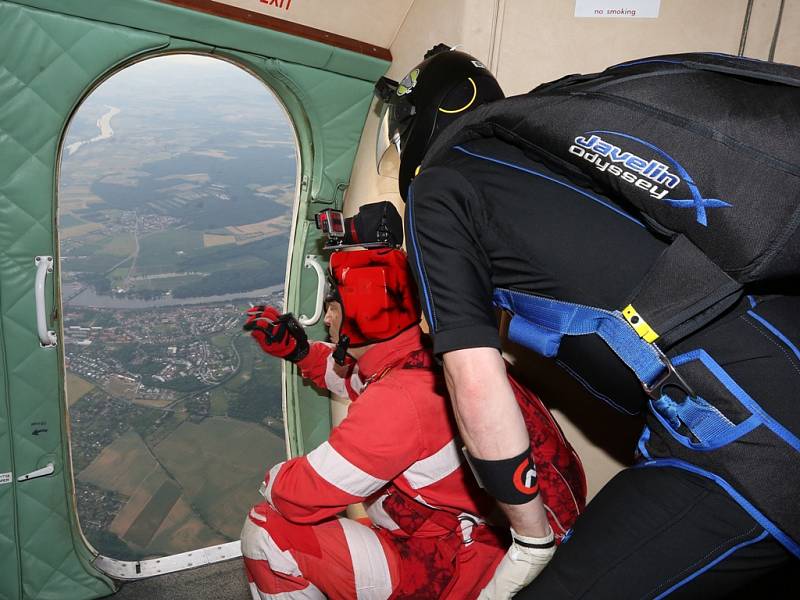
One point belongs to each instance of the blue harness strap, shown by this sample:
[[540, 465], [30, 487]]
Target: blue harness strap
[[705, 422], [539, 324]]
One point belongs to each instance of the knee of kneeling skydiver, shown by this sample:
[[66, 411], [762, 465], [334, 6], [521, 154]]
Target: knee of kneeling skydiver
[[257, 544]]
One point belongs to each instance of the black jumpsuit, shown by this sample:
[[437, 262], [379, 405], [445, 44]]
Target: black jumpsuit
[[683, 522]]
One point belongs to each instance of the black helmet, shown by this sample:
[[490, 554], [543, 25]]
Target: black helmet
[[444, 86]]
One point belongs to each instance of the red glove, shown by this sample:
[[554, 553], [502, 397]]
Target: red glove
[[277, 334]]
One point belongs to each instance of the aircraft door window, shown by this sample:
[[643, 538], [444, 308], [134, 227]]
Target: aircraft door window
[[176, 194]]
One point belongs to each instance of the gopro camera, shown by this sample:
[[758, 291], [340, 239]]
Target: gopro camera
[[331, 222]]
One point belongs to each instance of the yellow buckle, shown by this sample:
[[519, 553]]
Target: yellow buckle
[[639, 325]]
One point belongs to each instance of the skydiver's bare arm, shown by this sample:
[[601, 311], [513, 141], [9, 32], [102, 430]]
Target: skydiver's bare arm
[[491, 423]]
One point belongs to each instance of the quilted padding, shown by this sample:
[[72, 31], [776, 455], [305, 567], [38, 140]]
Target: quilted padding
[[156, 16], [9, 565], [48, 62], [336, 104]]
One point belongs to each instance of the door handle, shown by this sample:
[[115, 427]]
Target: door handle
[[47, 337], [311, 262], [48, 469]]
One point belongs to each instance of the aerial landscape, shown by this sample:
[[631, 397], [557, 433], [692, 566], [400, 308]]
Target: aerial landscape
[[176, 194]]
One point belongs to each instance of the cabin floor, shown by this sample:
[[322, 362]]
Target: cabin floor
[[226, 581], [220, 581]]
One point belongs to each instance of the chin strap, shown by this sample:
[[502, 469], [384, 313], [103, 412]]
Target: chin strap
[[340, 353]]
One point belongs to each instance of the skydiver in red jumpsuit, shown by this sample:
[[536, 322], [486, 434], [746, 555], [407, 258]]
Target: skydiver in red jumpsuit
[[397, 451]]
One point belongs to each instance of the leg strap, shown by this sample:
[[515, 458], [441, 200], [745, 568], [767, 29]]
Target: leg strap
[[539, 324]]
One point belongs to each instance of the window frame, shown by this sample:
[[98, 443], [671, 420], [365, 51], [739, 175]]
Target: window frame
[[140, 569]]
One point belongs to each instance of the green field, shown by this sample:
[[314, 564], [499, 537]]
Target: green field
[[91, 261], [216, 270], [161, 249], [77, 387], [165, 283], [219, 464], [122, 466], [246, 347], [79, 231], [118, 275], [219, 403], [153, 514], [120, 245], [215, 468]]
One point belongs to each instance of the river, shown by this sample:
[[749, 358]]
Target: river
[[103, 124], [89, 298]]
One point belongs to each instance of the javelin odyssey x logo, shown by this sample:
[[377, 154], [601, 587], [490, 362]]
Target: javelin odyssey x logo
[[652, 176]]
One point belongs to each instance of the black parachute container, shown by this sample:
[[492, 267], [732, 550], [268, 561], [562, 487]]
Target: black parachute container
[[705, 148]]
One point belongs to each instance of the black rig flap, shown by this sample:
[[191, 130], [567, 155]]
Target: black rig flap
[[683, 291]]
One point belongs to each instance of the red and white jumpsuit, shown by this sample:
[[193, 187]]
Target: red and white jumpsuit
[[398, 452]]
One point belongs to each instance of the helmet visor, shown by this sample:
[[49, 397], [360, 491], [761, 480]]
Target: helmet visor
[[395, 124]]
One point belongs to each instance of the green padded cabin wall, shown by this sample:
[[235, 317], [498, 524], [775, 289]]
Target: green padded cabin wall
[[9, 565], [47, 62], [50, 57]]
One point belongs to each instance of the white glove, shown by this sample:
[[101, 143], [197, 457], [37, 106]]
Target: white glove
[[524, 560]]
